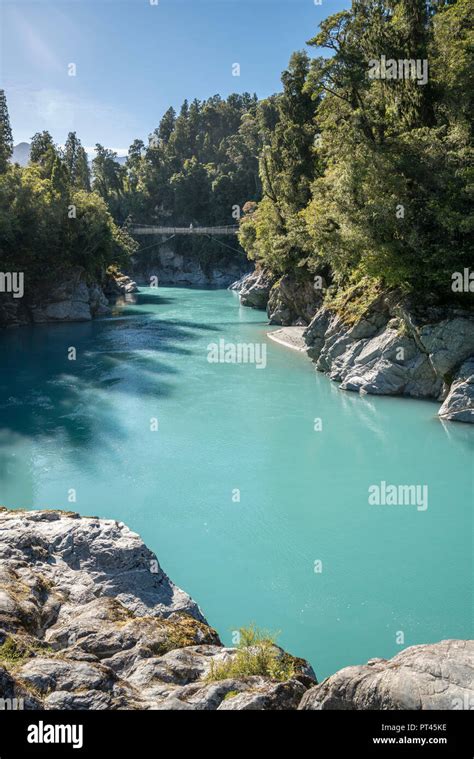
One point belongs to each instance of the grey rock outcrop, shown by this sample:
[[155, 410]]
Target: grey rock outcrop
[[459, 403], [70, 298], [255, 289], [288, 300], [117, 283], [13, 311], [396, 350], [89, 620], [238, 285], [293, 302], [185, 268], [434, 676]]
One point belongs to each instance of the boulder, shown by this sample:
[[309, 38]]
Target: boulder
[[432, 676], [256, 288], [459, 403]]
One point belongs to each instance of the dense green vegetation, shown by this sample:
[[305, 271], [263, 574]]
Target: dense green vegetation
[[49, 218], [370, 178], [362, 179], [197, 166]]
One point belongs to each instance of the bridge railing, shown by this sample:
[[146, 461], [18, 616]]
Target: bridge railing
[[149, 229]]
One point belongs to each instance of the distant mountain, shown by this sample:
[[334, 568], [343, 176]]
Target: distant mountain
[[21, 153]]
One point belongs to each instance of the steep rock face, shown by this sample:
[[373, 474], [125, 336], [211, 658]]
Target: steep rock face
[[435, 676], [459, 403], [239, 284], [89, 620], [117, 284], [288, 300], [254, 289], [13, 311], [293, 302], [70, 298], [394, 350], [186, 269]]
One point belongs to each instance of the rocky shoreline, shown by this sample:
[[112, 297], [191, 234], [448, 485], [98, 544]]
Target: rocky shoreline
[[393, 347], [89, 620], [72, 297]]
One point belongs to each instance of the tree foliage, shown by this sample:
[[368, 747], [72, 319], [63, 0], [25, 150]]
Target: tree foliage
[[390, 168], [6, 139], [361, 177], [198, 166], [49, 218]]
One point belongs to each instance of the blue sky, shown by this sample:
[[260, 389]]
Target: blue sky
[[134, 59]]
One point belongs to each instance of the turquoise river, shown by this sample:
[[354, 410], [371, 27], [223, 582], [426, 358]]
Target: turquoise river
[[302, 552]]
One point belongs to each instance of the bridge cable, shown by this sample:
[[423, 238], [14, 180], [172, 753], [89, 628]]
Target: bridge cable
[[224, 245], [160, 242]]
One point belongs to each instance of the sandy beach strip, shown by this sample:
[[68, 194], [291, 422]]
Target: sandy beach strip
[[290, 337]]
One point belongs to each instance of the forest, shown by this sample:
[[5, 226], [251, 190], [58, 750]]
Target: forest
[[366, 179]]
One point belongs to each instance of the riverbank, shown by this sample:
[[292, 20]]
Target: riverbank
[[381, 343], [70, 295], [89, 620], [290, 337]]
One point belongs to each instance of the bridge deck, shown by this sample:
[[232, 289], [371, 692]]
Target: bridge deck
[[148, 229]]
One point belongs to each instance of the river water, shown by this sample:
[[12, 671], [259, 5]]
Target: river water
[[255, 509]]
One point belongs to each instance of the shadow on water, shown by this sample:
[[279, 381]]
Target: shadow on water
[[44, 395]]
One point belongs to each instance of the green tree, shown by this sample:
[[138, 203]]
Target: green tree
[[6, 139], [109, 181], [75, 158], [43, 152]]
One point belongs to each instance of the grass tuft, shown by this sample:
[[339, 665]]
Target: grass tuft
[[257, 654]]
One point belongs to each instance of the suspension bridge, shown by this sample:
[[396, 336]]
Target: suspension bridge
[[150, 229]]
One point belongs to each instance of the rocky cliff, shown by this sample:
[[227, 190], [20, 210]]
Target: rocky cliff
[[89, 620], [396, 348], [288, 300], [388, 346], [185, 268], [70, 297]]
